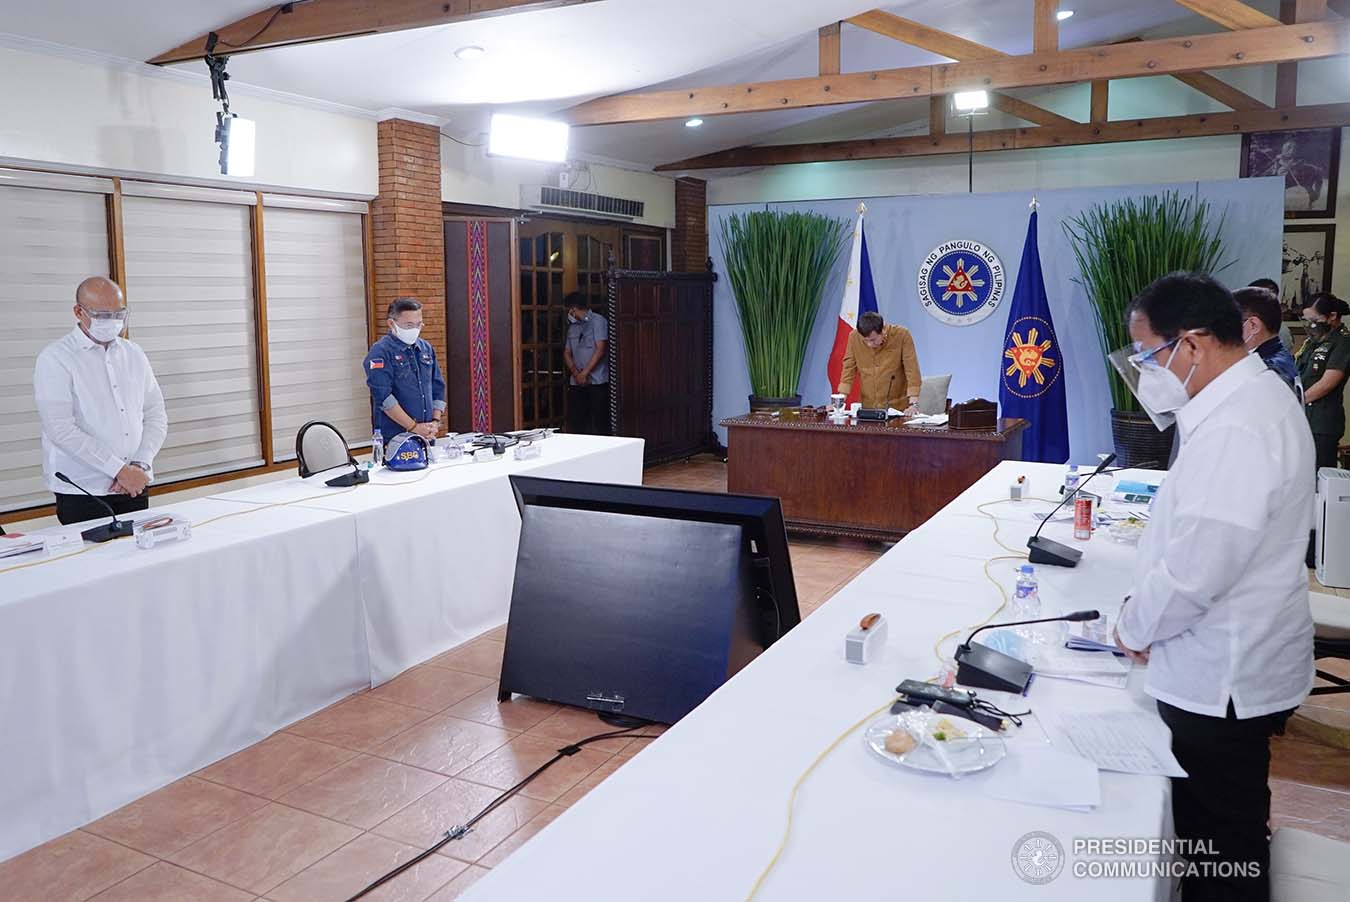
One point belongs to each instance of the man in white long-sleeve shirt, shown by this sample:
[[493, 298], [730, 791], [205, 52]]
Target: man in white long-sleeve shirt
[[103, 418], [1219, 607]]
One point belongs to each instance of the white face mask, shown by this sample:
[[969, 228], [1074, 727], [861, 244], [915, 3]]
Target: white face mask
[[407, 335], [105, 330], [1162, 393]]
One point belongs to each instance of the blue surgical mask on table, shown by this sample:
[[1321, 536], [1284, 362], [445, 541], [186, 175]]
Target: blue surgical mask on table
[[407, 335]]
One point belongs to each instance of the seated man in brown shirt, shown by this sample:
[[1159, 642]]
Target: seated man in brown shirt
[[883, 358]]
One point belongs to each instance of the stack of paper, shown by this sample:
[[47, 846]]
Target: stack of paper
[[1127, 742], [1097, 668], [12, 545], [935, 419], [1037, 773]]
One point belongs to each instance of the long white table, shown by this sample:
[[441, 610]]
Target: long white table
[[122, 670], [699, 813]]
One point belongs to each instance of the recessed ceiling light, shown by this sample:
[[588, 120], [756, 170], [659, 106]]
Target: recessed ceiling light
[[1064, 14], [471, 52], [693, 123]]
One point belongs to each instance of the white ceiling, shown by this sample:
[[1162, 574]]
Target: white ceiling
[[547, 60]]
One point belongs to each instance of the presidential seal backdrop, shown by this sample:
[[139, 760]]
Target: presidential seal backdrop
[[961, 282]]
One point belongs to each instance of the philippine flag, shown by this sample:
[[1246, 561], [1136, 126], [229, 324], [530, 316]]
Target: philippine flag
[[860, 297]]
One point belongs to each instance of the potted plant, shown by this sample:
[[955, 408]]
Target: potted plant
[[1121, 247], [778, 264]]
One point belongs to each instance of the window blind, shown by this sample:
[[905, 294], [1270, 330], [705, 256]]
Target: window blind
[[316, 324], [190, 292], [50, 240]]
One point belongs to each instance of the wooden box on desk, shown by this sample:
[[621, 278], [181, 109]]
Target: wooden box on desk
[[976, 415]]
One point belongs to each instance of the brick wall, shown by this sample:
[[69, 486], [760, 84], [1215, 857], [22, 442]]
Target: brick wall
[[689, 242], [409, 241]]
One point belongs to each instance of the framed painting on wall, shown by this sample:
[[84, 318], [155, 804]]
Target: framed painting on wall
[[1307, 159], [1305, 265]]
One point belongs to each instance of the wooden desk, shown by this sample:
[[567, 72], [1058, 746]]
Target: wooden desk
[[865, 480]]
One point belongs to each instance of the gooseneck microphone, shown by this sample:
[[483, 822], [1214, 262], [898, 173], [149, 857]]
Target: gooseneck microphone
[[117, 529], [1057, 554], [982, 667]]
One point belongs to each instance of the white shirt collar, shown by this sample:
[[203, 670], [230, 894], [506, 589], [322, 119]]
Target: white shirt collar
[[1211, 396]]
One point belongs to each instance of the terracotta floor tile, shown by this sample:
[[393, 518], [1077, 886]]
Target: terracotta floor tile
[[455, 888], [70, 868], [594, 779], [1323, 811], [430, 688], [518, 758], [178, 815], [351, 868], [521, 836], [1311, 763], [454, 802], [265, 848], [572, 724], [363, 791], [276, 765], [498, 634], [519, 714], [360, 722], [164, 882], [444, 744], [481, 656]]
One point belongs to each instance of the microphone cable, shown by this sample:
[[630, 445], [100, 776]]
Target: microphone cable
[[459, 831]]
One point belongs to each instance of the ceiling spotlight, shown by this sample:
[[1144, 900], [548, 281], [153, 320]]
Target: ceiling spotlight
[[473, 52], [970, 101], [693, 123], [526, 138], [1064, 14]]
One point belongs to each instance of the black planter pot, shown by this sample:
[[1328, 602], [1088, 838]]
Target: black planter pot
[[758, 403], [1138, 441]]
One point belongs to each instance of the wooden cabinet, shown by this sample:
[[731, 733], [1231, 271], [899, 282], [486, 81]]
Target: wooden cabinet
[[661, 373]]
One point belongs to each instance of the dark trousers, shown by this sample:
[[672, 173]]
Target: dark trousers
[[1225, 802], [588, 409], [1325, 445], [78, 508]]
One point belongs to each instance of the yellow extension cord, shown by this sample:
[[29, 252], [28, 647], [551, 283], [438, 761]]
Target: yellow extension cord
[[1016, 555]]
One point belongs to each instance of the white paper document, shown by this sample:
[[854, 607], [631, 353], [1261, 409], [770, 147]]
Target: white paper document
[[932, 419], [1037, 773], [1097, 668], [1127, 742]]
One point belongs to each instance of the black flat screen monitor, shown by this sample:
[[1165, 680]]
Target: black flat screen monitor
[[642, 601]]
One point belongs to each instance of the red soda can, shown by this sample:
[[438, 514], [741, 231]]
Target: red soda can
[[1082, 517]]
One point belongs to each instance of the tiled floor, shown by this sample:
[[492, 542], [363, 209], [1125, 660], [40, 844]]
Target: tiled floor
[[315, 812]]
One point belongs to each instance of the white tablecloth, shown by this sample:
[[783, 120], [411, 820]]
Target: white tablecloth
[[122, 670], [699, 813]]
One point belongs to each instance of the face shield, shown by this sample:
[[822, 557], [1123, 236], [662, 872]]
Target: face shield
[[1160, 392]]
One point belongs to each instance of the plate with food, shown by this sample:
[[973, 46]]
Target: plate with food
[[934, 743]]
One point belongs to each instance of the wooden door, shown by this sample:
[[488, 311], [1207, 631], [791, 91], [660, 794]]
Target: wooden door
[[556, 257]]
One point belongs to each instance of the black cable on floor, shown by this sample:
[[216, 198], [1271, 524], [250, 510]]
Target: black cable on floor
[[458, 832]]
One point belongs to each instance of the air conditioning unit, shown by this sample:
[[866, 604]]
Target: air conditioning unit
[[1333, 528], [564, 200]]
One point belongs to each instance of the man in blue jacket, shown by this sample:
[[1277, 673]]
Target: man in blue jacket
[[407, 390]]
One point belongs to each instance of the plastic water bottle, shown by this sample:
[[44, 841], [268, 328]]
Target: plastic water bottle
[[1027, 595], [376, 448], [1071, 480]]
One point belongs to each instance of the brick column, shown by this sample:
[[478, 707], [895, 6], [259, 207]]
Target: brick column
[[689, 242], [409, 240]]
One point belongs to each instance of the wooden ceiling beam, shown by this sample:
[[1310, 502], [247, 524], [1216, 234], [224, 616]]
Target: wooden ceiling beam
[[1028, 111], [1045, 27], [1099, 104], [1230, 13], [1193, 126], [937, 115], [829, 49], [1220, 90], [1165, 56], [325, 20], [916, 34]]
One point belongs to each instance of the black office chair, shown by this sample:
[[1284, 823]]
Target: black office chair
[[319, 447], [1331, 638]]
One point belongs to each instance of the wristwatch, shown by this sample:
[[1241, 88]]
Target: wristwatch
[[139, 465]]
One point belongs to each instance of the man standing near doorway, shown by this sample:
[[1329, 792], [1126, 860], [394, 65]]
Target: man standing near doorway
[[103, 416], [586, 356], [407, 390]]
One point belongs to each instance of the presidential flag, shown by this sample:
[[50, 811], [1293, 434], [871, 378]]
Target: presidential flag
[[1032, 383], [859, 297]]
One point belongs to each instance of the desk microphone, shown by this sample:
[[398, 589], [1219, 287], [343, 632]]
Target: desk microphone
[[1048, 551], [883, 412], [984, 668], [117, 529]]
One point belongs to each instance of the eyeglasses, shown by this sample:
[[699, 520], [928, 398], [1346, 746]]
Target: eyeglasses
[[1143, 358], [123, 314]]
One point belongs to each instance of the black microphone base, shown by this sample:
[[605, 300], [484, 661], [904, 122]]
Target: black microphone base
[[981, 667], [356, 477], [107, 532], [872, 413], [1056, 554]]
